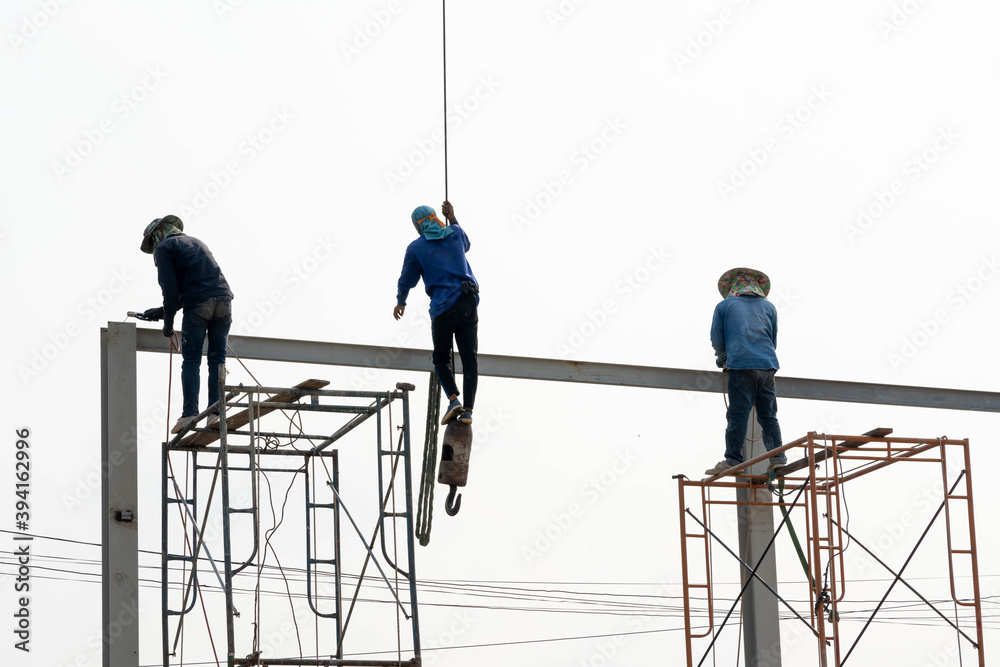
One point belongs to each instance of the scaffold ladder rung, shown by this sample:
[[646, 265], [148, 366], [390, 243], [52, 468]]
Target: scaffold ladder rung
[[323, 561], [312, 573]]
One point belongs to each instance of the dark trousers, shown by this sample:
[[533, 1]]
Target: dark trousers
[[461, 321], [751, 389], [212, 318]]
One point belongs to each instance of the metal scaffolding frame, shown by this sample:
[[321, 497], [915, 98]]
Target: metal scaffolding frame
[[245, 425], [827, 463], [121, 341]]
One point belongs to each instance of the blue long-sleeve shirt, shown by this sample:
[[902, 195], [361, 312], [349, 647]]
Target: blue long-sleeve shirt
[[745, 331], [442, 265], [188, 274]]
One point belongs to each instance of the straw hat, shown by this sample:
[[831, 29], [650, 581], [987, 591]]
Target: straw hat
[[732, 275]]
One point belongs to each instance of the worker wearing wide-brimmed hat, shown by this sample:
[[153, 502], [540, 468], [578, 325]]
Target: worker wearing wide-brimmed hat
[[191, 279], [744, 335], [438, 256]]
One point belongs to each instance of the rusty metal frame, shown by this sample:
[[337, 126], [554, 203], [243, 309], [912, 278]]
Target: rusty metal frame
[[828, 458]]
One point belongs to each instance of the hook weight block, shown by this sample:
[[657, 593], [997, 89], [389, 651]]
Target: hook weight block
[[455, 453]]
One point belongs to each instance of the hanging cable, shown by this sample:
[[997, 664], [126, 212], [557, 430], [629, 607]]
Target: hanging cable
[[444, 76]]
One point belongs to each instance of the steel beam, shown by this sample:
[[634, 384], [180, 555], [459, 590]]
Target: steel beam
[[119, 498], [558, 370]]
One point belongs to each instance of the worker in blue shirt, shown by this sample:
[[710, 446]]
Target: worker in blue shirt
[[744, 335], [191, 279], [438, 256]]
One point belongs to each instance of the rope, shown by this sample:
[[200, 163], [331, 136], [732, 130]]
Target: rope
[[425, 502], [444, 76]]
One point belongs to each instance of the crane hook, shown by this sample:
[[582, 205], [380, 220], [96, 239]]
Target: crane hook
[[453, 503]]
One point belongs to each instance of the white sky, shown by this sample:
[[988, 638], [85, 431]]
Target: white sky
[[609, 161]]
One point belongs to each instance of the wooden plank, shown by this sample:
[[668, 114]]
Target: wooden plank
[[242, 418], [795, 466]]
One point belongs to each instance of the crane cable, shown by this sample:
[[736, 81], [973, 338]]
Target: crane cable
[[444, 77], [425, 501]]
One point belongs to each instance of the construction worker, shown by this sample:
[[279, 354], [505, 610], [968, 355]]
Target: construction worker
[[744, 335], [438, 256], [191, 279]]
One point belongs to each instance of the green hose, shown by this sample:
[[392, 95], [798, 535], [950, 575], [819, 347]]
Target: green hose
[[791, 532]]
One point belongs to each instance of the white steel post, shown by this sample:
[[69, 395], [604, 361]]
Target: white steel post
[[119, 495]]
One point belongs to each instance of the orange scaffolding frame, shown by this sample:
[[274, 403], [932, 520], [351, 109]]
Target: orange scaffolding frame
[[834, 460]]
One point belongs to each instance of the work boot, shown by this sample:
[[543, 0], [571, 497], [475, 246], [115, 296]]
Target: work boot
[[466, 417], [720, 466], [775, 464], [183, 423], [454, 409]]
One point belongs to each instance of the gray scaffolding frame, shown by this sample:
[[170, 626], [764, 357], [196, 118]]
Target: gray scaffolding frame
[[192, 442]]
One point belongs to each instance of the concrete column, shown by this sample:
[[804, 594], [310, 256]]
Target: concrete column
[[761, 638], [119, 494]]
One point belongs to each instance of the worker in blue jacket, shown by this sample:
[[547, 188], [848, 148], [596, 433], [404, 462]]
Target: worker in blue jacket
[[191, 279], [438, 256], [744, 335]]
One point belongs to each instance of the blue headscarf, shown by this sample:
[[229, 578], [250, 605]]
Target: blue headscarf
[[429, 224]]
